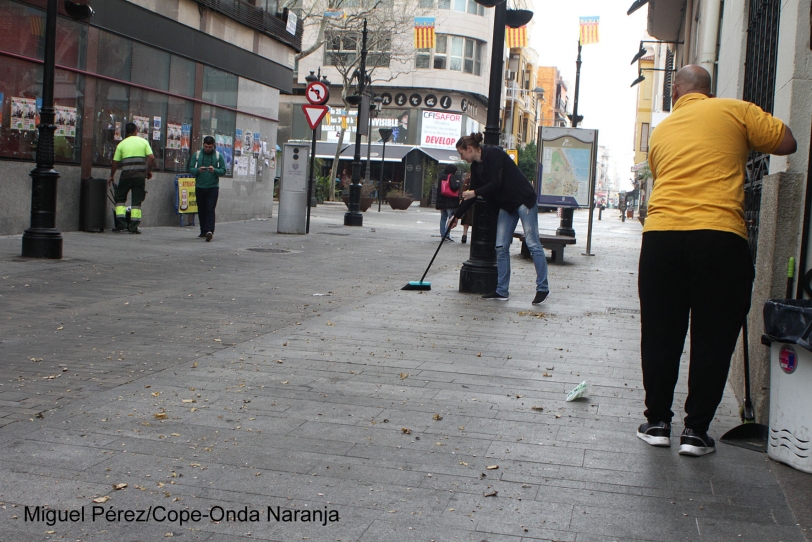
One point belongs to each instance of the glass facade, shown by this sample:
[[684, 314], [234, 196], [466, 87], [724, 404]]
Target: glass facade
[[148, 86]]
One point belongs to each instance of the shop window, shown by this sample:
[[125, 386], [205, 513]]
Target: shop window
[[112, 115], [182, 76], [21, 99], [222, 124], [148, 112], [150, 67], [178, 130], [115, 56], [219, 87], [22, 31]]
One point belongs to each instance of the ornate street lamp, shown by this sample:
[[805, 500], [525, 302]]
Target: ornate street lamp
[[42, 239], [478, 274], [353, 216]]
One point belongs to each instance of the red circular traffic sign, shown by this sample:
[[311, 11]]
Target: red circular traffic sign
[[317, 93]]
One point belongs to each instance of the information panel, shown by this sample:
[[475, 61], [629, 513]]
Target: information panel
[[566, 166]]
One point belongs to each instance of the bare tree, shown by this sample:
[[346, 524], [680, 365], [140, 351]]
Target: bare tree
[[335, 27]]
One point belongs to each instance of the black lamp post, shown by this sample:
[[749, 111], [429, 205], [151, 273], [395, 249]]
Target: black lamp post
[[353, 216], [374, 107], [386, 133], [42, 239], [478, 275]]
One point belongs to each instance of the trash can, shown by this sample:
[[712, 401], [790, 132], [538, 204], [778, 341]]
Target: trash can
[[93, 205], [787, 327]]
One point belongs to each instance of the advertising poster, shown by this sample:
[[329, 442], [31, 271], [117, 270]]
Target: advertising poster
[[224, 145], [247, 142], [252, 166], [566, 166], [117, 132], [2, 106], [440, 129], [173, 132], [65, 121], [238, 147], [241, 165], [143, 126], [187, 201], [257, 143], [156, 128], [185, 136], [23, 114]]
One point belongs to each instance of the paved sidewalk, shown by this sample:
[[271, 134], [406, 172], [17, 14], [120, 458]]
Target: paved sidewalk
[[272, 375]]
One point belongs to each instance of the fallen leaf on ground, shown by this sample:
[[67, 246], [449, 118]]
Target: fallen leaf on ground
[[537, 408], [492, 467], [404, 375], [437, 417], [405, 430], [491, 493], [119, 486], [101, 499], [160, 415]]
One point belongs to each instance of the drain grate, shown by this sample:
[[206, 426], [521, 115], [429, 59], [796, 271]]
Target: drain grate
[[618, 309], [270, 250], [333, 233]]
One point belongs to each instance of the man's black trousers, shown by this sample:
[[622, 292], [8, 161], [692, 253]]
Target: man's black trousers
[[706, 275], [206, 203]]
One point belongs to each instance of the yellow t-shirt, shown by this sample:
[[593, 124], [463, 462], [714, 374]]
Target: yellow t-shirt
[[697, 156]]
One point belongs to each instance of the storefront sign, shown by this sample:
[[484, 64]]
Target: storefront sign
[[440, 129]]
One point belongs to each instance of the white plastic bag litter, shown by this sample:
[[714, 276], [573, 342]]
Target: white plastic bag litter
[[581, 390]]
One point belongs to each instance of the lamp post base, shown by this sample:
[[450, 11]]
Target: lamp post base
[[353, 218], [478, 275], [565, 227], [42, 243]]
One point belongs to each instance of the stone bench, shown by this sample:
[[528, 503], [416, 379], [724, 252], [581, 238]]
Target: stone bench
[[554, 243]]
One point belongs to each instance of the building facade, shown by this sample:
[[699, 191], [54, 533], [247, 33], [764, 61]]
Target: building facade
[[555, 107], [179, 69]]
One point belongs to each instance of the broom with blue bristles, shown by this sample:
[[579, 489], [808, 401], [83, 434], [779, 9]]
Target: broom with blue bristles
[[419, 284]]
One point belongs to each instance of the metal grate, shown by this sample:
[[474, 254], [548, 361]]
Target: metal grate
[[269, 250], [759, 88]]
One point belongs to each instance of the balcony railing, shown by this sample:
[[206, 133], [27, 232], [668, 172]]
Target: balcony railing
[[258, 19]]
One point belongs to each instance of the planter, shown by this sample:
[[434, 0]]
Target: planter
[[366, 202], [399, 204], [425, 202]]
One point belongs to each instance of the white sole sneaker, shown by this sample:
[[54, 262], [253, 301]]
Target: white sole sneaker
[[695, 451], [654, 441]]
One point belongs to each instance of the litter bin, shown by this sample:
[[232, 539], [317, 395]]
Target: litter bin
[[787, 327], [93, 205]]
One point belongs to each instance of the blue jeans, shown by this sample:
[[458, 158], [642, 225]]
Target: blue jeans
[[445, 214], [505, 225]]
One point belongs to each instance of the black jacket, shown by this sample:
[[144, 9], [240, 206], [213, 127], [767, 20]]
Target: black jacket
[[444, 202], [500, 182]]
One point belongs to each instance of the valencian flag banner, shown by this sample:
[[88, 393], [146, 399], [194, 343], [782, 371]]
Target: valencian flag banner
[[516, 37], [424, 32], [589, 30]]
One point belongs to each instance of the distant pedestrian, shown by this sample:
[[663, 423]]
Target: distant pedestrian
[[447, 202], [497, 178], [695, 263], [135, 159], [207, 165]]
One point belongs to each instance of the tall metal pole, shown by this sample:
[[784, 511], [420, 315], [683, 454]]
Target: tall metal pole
[[310, 180], [565, 227], [478, 274], [42, 239], [386, 133], [353, 217]]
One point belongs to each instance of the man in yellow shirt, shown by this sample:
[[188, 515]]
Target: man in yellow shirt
[[695, 260], [134, 157]]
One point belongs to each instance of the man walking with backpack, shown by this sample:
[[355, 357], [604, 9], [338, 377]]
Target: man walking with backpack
[[207, 166]]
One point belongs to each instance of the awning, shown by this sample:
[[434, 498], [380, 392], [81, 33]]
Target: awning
[[444, 156], [394, 152]]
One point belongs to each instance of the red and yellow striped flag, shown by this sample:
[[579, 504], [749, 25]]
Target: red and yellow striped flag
[[424, 33], [37, 25], [589, 30], [516, 37]]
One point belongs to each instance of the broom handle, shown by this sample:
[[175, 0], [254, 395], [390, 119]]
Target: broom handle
[[432, 259], [745, 345]]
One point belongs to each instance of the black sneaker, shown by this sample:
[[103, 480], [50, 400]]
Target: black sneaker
[[655, 433], [209, 235], [541, 297], [464, 239], [695, 443], [119, 230], [497, 297], [202, 235], [135, 232]]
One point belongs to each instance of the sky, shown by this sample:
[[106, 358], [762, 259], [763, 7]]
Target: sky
[[605, 99]]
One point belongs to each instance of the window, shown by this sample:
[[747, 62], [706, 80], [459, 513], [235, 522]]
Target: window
[[470, 45], [342, 49], [219, 87], [426, 4], [472, 7], [150, 67], [455, 60], [115, 56], [112, 114], [460, 5], [220, 123], [440, 52], [443, 4], [644, 127], [465, 55]]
